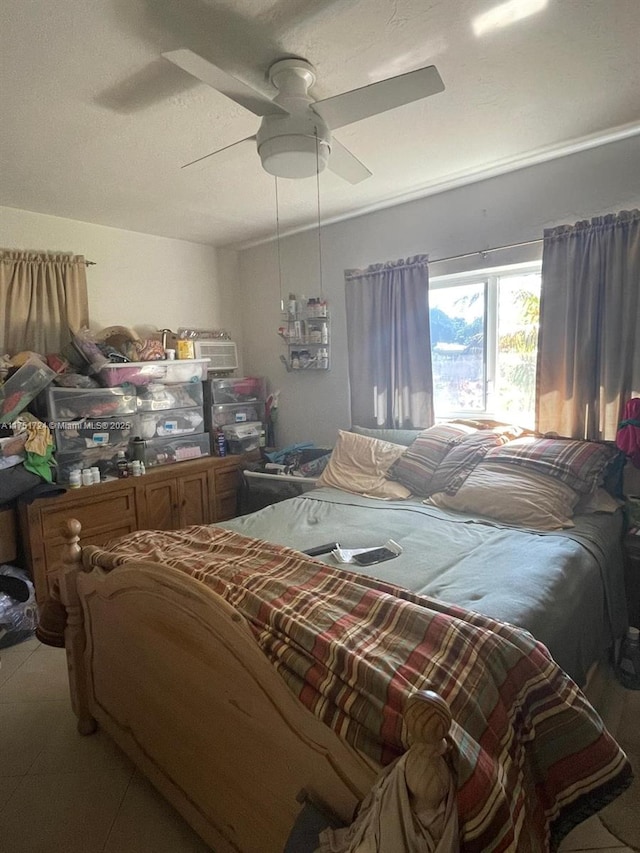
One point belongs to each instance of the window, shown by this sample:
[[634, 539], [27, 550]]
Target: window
[[484, 339]]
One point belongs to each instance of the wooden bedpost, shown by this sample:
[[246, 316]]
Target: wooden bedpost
[[427, 720], [74, 635]]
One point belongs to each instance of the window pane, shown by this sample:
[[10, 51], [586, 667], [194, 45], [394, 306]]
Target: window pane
[[518, 315], [457, 347]]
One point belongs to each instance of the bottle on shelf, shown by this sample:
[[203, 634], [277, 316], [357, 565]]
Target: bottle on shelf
[[122, 465], [137, 449], [221, 442]]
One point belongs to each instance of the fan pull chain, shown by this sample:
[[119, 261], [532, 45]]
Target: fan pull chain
[[278, 245], [318, 199]]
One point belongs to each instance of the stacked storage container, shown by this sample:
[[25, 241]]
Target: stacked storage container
[[159, 402], [237, 406], [89, 426], [170, 421]]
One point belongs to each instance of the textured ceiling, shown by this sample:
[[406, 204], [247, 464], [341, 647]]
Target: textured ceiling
[[95, 124]]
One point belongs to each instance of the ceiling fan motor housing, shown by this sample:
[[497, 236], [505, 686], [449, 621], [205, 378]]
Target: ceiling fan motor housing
[[296, 145]]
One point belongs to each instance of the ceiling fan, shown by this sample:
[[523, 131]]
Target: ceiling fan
[[295, 136]]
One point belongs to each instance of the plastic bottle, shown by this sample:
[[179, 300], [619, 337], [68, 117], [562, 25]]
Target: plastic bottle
[[221, 442], [135, 468], [123, 468], [87, 477], [137, 449], [75, 478], [629, 661], [324, 334]]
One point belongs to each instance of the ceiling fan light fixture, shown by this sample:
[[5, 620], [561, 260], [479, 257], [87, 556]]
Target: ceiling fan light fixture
[[294, 156]]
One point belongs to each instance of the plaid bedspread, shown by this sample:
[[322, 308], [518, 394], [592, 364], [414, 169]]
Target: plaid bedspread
[[532, 757]]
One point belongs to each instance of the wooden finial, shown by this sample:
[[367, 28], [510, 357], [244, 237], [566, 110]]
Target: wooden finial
[[72, 554]]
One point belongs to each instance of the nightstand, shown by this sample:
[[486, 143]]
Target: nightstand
[[631, 545]]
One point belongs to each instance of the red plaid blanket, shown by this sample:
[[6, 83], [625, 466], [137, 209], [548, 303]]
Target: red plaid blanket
[[531, 755]]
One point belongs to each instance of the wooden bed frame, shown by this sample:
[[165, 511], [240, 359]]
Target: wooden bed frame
[[174, 675]]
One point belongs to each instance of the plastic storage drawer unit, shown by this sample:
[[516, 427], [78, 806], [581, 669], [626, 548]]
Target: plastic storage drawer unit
[[243, 437], [104, 458], [165, 451], [236, 413], [86, 434], [158, 398], [145, 372], [58, 403], [240, 390], [172, 422]]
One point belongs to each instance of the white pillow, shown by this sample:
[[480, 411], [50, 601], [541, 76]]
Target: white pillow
[[359, 464]]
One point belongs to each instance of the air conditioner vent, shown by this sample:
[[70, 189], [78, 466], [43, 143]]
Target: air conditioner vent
[[222, 355]]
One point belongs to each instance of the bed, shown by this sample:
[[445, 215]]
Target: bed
[[246, 679]]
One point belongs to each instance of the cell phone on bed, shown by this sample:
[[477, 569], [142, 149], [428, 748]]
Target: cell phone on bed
[[377, 555]]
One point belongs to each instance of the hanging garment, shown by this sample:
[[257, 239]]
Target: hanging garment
[[628, 435]]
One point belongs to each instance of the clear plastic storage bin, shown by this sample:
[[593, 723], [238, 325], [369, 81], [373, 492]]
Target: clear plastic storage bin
[[165, 451], [236, 413], [57, 403], [172, 422], [145, 372], [104, 458], [235, 390], [159, 397], [242, 438], [87, 434], [20, 389]]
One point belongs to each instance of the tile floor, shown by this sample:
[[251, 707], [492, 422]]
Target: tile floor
[[64, 793]]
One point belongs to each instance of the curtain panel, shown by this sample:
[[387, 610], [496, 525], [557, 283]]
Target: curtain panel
[[589, 345], [389, 344], [43, 295]]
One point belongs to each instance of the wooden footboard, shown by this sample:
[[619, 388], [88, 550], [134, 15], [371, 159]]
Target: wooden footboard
[[174, 675]]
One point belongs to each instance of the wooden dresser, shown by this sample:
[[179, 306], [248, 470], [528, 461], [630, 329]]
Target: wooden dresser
[[199, 491]]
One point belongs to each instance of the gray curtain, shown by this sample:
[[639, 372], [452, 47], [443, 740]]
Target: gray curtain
[[390, 345], [589, 345], [42, 295]]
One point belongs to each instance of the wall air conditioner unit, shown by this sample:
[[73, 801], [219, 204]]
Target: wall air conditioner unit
[[222, 355]]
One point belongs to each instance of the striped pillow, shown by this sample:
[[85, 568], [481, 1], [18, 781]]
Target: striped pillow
[[417, 465], [462, 458], [579, 464]]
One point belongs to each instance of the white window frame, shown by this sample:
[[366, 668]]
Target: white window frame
[[490, 278]]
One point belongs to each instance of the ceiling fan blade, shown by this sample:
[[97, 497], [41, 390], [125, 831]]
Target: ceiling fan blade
[[345, 164], [219, 151], [218, 79], [379, 97]]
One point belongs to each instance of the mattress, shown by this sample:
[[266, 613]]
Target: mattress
[[565, 587]]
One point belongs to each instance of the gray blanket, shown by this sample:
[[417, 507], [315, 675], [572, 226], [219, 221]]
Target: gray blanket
[[565, 587]]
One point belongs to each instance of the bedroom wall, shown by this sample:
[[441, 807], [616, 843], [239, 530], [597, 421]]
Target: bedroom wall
[[139, 280], [502, 210]]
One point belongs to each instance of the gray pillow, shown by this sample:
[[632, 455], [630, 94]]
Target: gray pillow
[[395, 436]]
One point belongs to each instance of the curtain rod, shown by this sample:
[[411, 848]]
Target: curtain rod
[[485, 251], [90, 263]]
